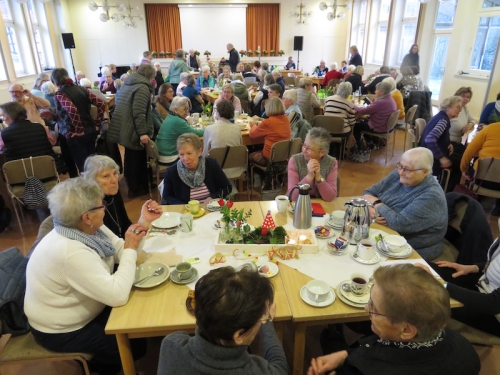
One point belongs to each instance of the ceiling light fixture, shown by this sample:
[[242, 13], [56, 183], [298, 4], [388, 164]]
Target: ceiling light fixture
[[332, 15], [301, 14], [126, 13]]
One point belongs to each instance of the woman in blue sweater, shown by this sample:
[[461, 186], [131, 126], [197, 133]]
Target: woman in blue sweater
[[411, 201], [491, 113]]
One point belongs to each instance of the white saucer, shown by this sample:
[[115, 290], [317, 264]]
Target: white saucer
[[327, 227], [374, 260], [273, 269], [345, 296], [334, 226], [329, 300], [407, 251], [175, 278], [213, 205], [167, 220]]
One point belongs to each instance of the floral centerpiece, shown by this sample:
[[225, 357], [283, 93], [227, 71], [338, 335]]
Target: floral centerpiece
[[249, 53], [257, 52], [197, 53], [169, 53], [264, 53], [162, 54], [242, 52], [272, 52], [281, 52], [154, 54], [207, 53]]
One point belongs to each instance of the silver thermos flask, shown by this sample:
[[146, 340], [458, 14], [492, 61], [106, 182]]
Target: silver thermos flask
[[302, 215]]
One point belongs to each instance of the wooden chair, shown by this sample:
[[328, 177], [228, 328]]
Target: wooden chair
[[244, 105], [419, 129], [391, 123], [483, 173], [155, 164], [234, 162], [44, 168], [333, 83], [408, 121], [335, 126], [289, 81], [280, 153], [22, 349]]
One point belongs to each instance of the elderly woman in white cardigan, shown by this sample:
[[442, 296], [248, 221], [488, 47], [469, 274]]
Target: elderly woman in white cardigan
[[71, 282]]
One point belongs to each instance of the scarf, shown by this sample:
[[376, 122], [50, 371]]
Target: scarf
[[193, 179], [497, 106], [98, 241], [164, 102], [413, 345]]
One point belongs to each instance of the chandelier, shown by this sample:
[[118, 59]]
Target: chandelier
[[332, 15], [301, 14], [126, 13]]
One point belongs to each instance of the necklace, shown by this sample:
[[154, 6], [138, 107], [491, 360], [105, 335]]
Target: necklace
[[117, 221]]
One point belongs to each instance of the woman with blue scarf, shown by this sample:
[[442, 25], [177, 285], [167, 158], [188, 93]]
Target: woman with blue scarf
[[71, 284], [194, 177]]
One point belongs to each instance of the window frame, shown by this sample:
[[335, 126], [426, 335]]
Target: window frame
[[487, 13]]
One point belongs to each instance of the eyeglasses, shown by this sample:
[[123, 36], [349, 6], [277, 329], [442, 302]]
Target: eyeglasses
[[407, 170], [16, 92], [104, 205], [308, 149], [458, 107], [370, 309]]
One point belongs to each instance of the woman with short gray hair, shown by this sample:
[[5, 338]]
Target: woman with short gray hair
[[436, 137], [205, 80], [105, 172], [176, 68], [381, 108], [313, 166], [355, 77], [338, 105], [71, 282], [292, 110], [307, 99]]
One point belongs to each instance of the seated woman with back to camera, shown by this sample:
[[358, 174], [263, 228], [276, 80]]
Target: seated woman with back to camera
[[491, 113], [313, 166], [338, 105], [411, 201]]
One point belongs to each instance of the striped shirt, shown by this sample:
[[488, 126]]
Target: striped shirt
[[336, 105], [200, 193]]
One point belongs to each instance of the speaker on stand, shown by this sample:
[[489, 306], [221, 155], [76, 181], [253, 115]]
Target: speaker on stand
[[298, 42], [69, 43]]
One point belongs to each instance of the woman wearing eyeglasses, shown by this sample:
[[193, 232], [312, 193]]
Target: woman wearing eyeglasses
[[313, 166], [409, 310], [411, 201], [231, 307], [103, 170], [71, 282]]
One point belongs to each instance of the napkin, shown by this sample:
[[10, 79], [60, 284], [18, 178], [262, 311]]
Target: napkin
[[170, 258]]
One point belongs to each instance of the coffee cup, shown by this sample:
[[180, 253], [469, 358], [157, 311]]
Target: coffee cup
[[366, 249], [193, 206], [184, 270], [359, 284], [395, 243], [337, 218], [190, 120], [236, 114], [108, 92], [317, 290], [196, 117], [281, 203], [186, 223]]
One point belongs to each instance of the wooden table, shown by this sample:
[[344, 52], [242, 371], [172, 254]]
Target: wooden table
[[285, 73], [162, 310], [110, 102], [210, 96]]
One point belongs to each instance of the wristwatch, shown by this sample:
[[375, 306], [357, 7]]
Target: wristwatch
[[320, 180]]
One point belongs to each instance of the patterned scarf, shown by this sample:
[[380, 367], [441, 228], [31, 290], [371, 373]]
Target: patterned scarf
[[413, 345], [193, 179], [98, 241]]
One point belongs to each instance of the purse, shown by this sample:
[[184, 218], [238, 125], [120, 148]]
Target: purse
[[467, 188], [360, 153]]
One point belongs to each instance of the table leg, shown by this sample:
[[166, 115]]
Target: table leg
[[125, 354], [278, 326], [299, 349]]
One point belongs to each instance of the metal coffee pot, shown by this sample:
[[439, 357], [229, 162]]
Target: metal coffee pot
[[302, 214], [357, 219]]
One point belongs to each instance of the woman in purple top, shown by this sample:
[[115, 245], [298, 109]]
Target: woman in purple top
[[381, 108]]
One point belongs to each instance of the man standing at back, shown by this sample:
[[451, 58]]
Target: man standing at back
[[234, 57]]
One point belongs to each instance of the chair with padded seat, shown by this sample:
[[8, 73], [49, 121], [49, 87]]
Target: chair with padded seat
[[15, 176], [289, 81], [408, 121], [390, 126], [333, 83], [487, 173], [419, 129], [155, 164], [335, 126], [234, 162]]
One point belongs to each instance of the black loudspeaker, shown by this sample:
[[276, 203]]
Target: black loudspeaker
[[68, 40], [297, 43]]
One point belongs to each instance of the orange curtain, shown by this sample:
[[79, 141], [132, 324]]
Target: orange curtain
[[263, 27], [164, 27]]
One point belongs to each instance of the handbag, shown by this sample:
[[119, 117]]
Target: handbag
[[360, 153], [35, 194], [467, 188]]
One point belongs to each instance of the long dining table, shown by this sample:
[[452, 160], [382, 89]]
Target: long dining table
[[161, 310]]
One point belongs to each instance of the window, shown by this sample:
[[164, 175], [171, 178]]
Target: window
[[491, 3], [409, 27], [379, 36], [43, 45], [446, 15], [358, 25], [487, 38], [14, 48]]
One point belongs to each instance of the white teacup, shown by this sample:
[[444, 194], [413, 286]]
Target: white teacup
[[281, 203], [395, 243], [359, 284], [186, 223], [196, 117], [317, 290], [184, 270], [337, 218], [190, 120], [366, 249]]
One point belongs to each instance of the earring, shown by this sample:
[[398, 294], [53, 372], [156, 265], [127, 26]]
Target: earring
[[91, 226]]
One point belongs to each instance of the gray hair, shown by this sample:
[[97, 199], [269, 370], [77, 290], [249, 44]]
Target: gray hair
[[41, 77], [358, 70], [178, 102], [344, 89], [205, 69], [228, 86], [385, 87], [85, 82], [269, 79], [290, 95], [97, 163], [49, 88], [183, 75], [333, 66], [133, 65], [351, 68], [118, 83], [277, 72], [420, 157], [320, 137], [450, 101], [72, 198], [261, 74], [191, 80], [179, 53], [147, 70], [104, 70], [124, 76], [303, 82], [391, 82]]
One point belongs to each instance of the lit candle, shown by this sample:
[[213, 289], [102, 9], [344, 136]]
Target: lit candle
[[302, 238], [291, 242], [259, 48]]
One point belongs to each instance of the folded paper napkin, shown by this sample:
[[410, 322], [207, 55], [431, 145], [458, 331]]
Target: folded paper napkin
[[170, 258]]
